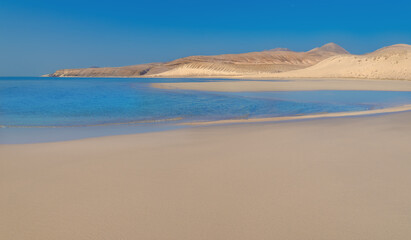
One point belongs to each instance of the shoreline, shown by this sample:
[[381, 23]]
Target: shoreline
[[397, 109], [97, 125], [248, 86], [225, 122], [231, 77], [224, 86]]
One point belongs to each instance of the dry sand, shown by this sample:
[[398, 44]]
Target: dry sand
[[344, 178], [291, 85]]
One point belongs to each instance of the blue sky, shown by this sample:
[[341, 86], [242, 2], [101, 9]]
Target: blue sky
[[38, 37]]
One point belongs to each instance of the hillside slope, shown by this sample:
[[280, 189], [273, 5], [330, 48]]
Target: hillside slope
[[393, 62], [271, 61]]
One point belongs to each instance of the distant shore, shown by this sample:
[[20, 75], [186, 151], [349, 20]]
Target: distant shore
[[300, 84], [328, 61]]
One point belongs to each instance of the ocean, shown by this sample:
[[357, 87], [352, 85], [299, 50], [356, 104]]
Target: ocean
[[66, 108]]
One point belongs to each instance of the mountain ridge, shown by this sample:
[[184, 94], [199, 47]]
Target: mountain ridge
[[271, 61]]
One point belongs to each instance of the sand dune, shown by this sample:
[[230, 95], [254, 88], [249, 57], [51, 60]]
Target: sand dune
[[393, 62], [271, 61]]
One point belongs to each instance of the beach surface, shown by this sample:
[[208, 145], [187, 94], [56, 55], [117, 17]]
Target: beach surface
[[340, 178], [291, 85]]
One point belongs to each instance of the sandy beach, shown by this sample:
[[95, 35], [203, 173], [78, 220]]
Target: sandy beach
[[341, 178], [304, 84], [216, 120]]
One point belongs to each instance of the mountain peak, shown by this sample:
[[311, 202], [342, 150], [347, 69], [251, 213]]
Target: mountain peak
[[279, 49], [331, 47]]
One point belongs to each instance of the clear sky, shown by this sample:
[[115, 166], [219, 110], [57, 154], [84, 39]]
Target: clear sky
[[39, 36]]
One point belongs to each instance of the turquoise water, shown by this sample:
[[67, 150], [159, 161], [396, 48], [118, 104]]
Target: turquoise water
[[78, 102]]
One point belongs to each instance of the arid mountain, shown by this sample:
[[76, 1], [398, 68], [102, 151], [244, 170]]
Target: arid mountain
[[393, 62], [127, 71], [271, 61], [250, 63]]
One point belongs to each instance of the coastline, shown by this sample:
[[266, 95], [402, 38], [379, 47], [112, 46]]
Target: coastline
[[259, 77], [101, 130], [229, 86]]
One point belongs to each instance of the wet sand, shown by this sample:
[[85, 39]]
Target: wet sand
[[402, 108]]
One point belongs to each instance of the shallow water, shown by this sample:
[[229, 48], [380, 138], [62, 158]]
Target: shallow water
[[84, 102]]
